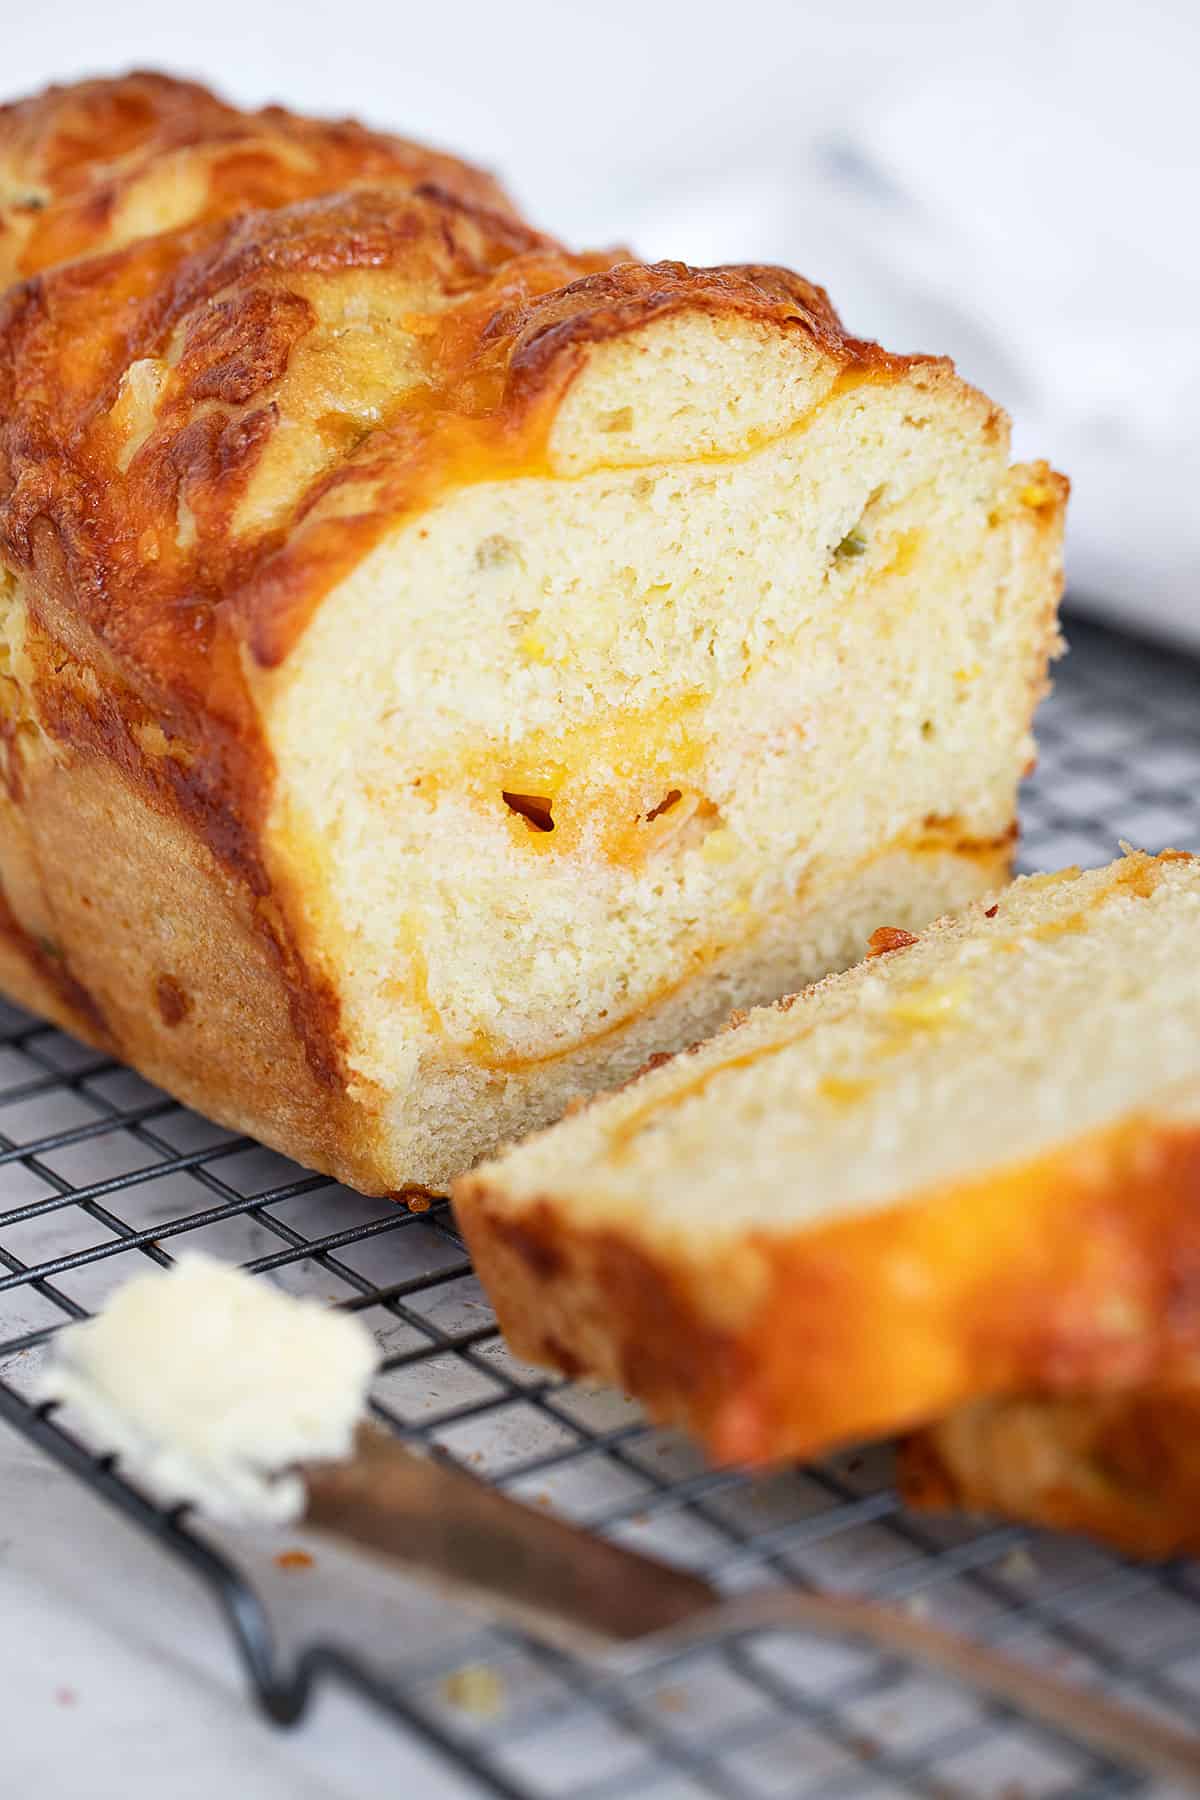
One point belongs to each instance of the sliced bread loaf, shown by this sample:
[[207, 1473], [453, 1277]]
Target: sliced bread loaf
[[441, 670], [968, 1166]]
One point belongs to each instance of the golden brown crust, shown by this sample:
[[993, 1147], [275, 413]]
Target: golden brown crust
[[1124, 1468], [141, 390], [152, 950], [216, 314], [1081, 1269], [86, 168], [495, 314], [495, 373]]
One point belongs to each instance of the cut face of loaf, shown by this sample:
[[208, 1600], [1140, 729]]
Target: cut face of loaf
[[968, 1167], [443, 670], [1121, 1467]]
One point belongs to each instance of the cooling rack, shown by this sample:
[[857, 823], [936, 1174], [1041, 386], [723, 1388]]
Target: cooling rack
[[100, 1174]]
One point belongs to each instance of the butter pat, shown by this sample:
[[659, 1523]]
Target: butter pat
[[211, 1385]]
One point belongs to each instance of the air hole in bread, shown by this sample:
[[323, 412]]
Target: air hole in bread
[[670, 799], [683, 820], [536, 809], [857, 541]]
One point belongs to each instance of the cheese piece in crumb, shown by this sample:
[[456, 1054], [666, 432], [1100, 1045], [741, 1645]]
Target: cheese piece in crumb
[[211, 1385]]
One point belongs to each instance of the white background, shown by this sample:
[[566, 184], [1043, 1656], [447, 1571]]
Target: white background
[[1013, 184]]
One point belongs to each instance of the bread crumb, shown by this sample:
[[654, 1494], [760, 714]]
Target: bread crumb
[[1018, 1565], [294, 1559], [671, 1700], [475, 1689], [888, 938]]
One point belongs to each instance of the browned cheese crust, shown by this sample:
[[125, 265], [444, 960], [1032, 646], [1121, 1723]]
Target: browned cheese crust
[[1078, 1270], [1122, 1468], [89, 167], [171, 542]]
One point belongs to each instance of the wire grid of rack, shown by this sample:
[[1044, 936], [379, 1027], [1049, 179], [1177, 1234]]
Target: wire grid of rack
[[101, 1174]]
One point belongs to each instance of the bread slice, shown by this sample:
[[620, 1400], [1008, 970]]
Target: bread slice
[[1124, 1468], [440, 669], [968, 1167]]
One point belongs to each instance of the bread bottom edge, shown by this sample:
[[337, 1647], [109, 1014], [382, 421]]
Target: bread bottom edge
[[876, 1323]]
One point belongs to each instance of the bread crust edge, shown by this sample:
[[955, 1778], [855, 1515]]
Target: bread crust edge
[[1078, 1270], [1123, 1469]]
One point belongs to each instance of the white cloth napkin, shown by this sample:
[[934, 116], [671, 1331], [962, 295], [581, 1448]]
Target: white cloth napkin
[[1029, 208]]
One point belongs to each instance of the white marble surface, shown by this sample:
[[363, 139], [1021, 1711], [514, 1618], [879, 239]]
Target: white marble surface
[[94, 1707]]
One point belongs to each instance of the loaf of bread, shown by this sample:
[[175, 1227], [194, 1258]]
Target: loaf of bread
[[1124, 1468], [441, 670], [968, 1167]]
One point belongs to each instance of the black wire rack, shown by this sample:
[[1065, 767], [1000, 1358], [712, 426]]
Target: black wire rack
[[100, 1174]]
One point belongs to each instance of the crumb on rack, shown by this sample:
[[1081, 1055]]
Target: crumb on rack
[[671, 1700], [294, 1559], [1018, 1565], [475, 1689]]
